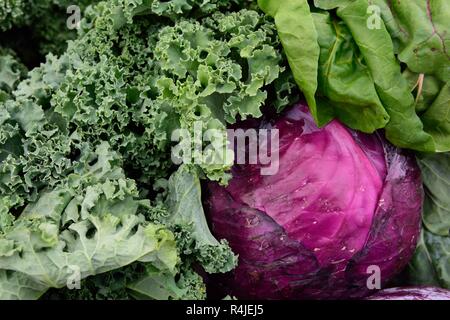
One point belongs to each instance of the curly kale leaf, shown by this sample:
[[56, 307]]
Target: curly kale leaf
[[87, 226], [212, 73], [185, 207], [163, 286]]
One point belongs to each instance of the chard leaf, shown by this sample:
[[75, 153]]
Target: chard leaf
[[435, 173], [430, 265], [345, 79], [426, 24], [405, 128], [431, 262], [298, 36], [425, 96], [436, 119]]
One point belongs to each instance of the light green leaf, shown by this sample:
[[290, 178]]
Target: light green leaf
[[17, 286], [69, 234], [185, 206], [100, 243], [28, 115], [431, 263], [331, 4], [10, 71]]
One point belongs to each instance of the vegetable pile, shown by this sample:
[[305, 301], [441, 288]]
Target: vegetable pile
[[93, 205], [390, 73]]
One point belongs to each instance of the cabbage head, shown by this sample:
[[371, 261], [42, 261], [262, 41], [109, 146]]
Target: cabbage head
[[339, 219]]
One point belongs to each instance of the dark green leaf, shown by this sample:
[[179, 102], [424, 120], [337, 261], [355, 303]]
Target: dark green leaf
[[345, 79], [405, 128], [298, 35]]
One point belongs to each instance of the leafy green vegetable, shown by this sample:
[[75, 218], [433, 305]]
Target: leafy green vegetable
[[331, 4], [423, 34], [425, 89], [185, 206], [436, 118], [90, 225], [344, 78], [20, 12], [16, 285], [431, 263], [164, 287], [40, 25], [131, 78], [87, 183], [11, 71], [299, 38], [137, 281], [404, 128], [435, 173], [358, 74]]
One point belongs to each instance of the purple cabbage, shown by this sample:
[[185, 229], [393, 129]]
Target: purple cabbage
[[341, 201], [412, 293]]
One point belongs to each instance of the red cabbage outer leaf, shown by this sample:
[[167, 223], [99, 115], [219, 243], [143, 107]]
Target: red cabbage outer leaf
[[396, 228], [340, 202], [269, 259], [413, 293]]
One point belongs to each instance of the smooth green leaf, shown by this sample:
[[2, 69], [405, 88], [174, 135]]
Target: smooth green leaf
[[425, 96], [436, 119], [10, 71], [425, 44], [298, 35], [331, 4], [435, 173], [345, 79], [421, 268], [431, 262], [405, 128]]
